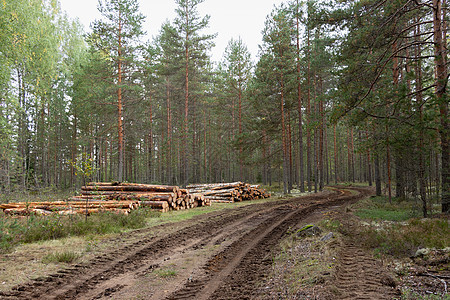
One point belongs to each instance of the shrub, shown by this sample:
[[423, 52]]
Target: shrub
[[402, 240], [61, 257], [40, 228]]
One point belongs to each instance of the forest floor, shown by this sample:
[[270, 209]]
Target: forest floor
[[256, 251]]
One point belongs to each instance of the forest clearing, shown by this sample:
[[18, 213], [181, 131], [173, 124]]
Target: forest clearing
[[139, 167]]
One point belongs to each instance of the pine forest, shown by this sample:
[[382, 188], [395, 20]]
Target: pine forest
[[340, 92]]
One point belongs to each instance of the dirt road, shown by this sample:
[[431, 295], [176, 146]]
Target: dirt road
[[220, 255]]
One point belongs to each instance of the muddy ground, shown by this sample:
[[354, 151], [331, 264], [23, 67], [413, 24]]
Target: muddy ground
[[221, 255]]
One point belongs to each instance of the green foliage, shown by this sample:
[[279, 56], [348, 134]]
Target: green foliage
[[35, 228], [403, 240], [84, 167]]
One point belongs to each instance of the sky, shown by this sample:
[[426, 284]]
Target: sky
[[229, 18]]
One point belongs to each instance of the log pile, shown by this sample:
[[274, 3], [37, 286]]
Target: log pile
[[113, 197], [67, 207], [124, 197], [229, 192], [148, 195]]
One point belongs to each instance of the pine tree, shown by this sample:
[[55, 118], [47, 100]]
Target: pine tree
[[237, 65], [277, 37], [117, 36], [189, 25]]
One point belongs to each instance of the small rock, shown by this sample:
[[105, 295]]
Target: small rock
[[309, 230], [422, 252], [327, 237], [389, 281]]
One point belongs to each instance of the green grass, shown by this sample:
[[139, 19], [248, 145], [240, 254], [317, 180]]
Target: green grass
[[404, 233], [61, 257], [378, 208], [166, 273], [14, 231], [384, 214]]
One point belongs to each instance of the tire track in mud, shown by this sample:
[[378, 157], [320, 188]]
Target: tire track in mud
[[73, 282], [235, 272], [228, 274], [368, 284]]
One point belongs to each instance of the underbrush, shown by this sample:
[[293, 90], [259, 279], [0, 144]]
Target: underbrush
[[396, 228], [403, 240], [14, 231]]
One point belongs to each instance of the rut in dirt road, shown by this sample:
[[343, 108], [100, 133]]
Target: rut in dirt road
[[359, 276], [235, 272], [244, 236]]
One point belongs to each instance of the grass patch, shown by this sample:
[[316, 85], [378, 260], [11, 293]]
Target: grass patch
[[184, 215], [378, 208], [330, 224], [45, 194], [384, 214], [14, 231], [403, 240], [61, 257], [166, 273], [396, 229]]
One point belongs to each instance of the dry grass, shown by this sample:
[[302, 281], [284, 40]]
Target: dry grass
[[28, 261], [302, 265]]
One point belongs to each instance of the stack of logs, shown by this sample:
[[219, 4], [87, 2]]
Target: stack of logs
[[114, 197], [124, 197], [229, 192], [67, 207], [160, 197]]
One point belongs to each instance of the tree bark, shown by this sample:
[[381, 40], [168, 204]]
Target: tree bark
[[377, 175], [119, 102], [300, 116], [336, 174], [186, 101], [441, 95], [308, 119], [283, 136]]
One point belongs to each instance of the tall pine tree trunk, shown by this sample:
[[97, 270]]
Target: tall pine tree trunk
[[441, 95], [369, 164], [299, 99], [336, 171], [241, 162], [186, 104], [283, 137], [119, 103], [308, 120], [419, 96], [377, 175]]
